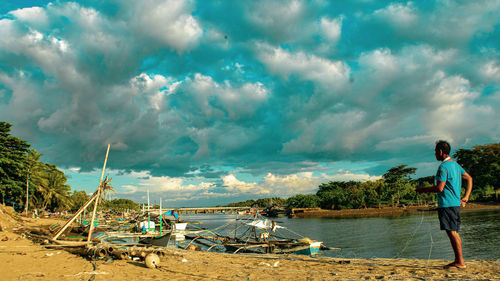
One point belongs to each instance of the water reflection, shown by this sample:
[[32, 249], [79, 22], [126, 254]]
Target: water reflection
[[412, 236]]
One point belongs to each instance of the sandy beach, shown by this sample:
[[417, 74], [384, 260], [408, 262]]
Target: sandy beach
[[21, 259]]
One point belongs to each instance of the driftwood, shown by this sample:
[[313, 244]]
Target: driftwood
[[91, 252], [38, 231]]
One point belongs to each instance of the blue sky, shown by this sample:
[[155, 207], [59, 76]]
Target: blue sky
[[211, 102]]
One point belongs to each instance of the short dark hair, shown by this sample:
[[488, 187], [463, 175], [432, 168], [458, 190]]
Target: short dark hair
[[444, 146]]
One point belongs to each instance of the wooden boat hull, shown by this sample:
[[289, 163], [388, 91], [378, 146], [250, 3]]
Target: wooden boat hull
[[161, 241], [310, 249]]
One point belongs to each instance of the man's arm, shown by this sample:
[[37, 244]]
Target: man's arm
[[436, 188], [468, 189]]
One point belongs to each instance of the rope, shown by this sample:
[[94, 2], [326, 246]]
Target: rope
[[430, 248], [411, 237], [355, 255]]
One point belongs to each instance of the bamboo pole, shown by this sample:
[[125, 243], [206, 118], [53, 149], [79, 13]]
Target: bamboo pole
[[27, 190], [161, 220], [147, 227], [83, 208], [97, 198]]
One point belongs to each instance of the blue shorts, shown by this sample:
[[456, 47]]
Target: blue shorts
[[449, 218]]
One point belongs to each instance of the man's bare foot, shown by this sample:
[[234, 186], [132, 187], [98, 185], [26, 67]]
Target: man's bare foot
[[455, 265]]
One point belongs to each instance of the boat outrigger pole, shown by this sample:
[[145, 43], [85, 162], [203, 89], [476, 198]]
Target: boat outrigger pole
[[95, 197], [161, 219], [99, 190]]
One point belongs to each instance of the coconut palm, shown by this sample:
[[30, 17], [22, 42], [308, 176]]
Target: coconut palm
[[54, 191], [32, 165]]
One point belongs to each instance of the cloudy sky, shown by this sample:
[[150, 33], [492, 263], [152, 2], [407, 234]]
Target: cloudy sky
[[211, 102]]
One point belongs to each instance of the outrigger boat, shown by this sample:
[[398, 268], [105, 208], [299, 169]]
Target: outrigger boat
[[257, 235]]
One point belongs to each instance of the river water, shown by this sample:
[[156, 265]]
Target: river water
[[410, 236]]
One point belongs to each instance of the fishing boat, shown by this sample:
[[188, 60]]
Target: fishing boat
[[258, 235], [162, 240], [175, 234]]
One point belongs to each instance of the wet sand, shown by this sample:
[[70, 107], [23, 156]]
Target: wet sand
[[21, 259]]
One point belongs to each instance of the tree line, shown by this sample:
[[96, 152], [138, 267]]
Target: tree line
[[397, 187], [260, 203], [21, 170]]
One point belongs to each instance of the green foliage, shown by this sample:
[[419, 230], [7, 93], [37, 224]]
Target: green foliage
[[372, 193], [395, 187], [247, 203], [482, 162], [260, 203], [52, 188], [20, 168], [340, 195], [13, 162], [120, 205], [398, 174], [78, 198], [398, 182], [303, 201], [424, 181], [33, 173]]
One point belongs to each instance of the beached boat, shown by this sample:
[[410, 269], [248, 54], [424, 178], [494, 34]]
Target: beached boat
[[176, 233], [288, 246], [258, 235], [162, 240]]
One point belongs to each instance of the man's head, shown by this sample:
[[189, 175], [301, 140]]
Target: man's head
[[442, 150]]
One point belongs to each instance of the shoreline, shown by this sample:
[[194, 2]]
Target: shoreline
[[385, 211], [21, 259]]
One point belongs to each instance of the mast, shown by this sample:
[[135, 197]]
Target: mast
[[99, 190], [161, 219], [149, 208]]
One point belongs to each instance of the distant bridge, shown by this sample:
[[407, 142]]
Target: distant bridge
[[202, 210]]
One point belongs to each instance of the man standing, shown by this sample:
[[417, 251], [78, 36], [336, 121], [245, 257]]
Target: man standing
[[448, 186]]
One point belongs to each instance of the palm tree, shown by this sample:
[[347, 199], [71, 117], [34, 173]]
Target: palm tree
[[54, 191], [32, 165]]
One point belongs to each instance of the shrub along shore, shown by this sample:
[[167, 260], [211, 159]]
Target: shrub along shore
[[382, 211]]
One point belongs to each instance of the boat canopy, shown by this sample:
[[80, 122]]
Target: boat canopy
[[264, 224], [172, 213]]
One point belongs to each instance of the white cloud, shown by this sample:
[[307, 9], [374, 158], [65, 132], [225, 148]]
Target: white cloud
[[289, 184], [127, 189], [490, 71], [449, 100], [328, 133], [34, 16], [279, 19], [331, 28], [169, 22], [167, 188], [326, 73], [210, 97], [398, 14], [349, 176], [401, 143], [231, 183], [381, 61], [150, 87]]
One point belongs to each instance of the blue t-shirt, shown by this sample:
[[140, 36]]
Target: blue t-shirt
[[451, 173]]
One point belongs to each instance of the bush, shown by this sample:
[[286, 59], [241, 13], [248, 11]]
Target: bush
[[303, 201]]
